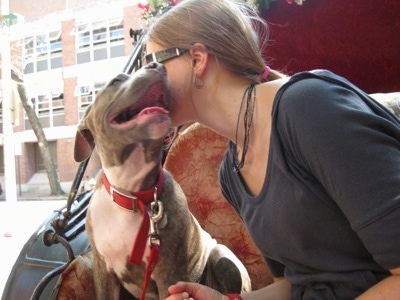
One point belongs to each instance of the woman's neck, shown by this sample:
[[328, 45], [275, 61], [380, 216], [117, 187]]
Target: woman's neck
[[219, 107]]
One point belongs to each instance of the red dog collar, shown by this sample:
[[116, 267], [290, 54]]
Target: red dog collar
[[132, 202]]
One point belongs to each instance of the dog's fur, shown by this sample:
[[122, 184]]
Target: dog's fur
[[128, 122]]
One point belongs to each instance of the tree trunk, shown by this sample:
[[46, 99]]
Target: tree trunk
[[54, 182]]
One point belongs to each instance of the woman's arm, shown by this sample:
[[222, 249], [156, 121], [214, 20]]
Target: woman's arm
[[280, 289], [387, 289], [188, 290]]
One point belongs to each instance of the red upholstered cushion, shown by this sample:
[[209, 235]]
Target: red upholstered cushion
[[76, 282], [193, 160]]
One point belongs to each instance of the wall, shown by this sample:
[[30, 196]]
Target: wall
[[358, 39]]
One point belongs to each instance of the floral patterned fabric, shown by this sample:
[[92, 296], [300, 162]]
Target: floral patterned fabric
[[194, 160]]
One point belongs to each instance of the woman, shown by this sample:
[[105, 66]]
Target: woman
[[312, 166]]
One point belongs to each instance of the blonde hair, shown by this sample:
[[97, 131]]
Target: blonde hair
[[231, 31]]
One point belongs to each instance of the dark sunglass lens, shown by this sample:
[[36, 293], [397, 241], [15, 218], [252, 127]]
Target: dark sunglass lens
[[148, 59]]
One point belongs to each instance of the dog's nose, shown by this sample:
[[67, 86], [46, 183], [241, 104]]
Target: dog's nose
[[156, 66]]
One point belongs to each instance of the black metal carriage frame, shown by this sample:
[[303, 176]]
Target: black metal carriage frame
[[37, 269]]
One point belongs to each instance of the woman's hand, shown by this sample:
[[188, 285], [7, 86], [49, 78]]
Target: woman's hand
[[192, 291]]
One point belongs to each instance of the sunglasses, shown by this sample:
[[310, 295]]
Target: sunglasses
[[163, 55]]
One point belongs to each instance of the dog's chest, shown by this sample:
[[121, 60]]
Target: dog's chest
[[114, 231]]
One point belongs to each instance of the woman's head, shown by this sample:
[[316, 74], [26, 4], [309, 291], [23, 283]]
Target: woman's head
[[230, 31]]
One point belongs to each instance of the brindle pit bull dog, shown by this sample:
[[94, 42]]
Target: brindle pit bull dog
[[141, 231]]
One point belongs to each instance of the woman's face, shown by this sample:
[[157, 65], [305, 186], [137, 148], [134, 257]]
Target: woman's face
[[179, 72]]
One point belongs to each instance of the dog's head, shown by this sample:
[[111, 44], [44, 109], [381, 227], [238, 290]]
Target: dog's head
[[130, 111]]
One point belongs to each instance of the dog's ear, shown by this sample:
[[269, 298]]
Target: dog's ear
[[84, 144], [84, 141]]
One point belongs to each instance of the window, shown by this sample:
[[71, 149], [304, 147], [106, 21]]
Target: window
[[2, 161], [99, 40], [55, 49], [43, 52], [49, 108], [86, 95]]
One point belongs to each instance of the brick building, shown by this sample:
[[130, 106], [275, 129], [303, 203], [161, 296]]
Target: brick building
[[65, 50]]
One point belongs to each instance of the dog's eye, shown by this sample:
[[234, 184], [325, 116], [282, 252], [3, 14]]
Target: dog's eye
[[115, 81], [118, 80]]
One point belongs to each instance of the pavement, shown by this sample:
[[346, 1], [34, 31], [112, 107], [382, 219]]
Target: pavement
[[19, 219]]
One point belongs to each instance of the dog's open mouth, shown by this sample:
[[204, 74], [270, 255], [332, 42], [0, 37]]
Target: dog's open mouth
[[149, 107], [130, 115]]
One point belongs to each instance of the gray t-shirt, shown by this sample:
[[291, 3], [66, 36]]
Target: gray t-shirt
[[328, 215]]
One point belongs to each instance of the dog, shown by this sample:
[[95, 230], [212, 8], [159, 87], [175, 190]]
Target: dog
[[142, 234]]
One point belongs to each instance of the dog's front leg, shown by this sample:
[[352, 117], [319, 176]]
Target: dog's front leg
[[107, 286], [225, 273]]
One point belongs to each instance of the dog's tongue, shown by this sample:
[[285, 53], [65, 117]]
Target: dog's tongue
[[152, 110]]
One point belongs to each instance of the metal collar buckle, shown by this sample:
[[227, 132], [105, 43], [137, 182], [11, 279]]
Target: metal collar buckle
[[130, 196]]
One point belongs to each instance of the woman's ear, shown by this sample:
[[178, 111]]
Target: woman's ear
[[199, 56]]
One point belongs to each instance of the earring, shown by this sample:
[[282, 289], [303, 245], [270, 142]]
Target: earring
[[198, 84]]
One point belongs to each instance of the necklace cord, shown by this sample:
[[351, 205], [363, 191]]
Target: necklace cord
[[250, 96]]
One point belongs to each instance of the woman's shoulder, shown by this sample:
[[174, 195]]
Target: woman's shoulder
[[302, 83], [321, 74], [307, 92], [313, 81]]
